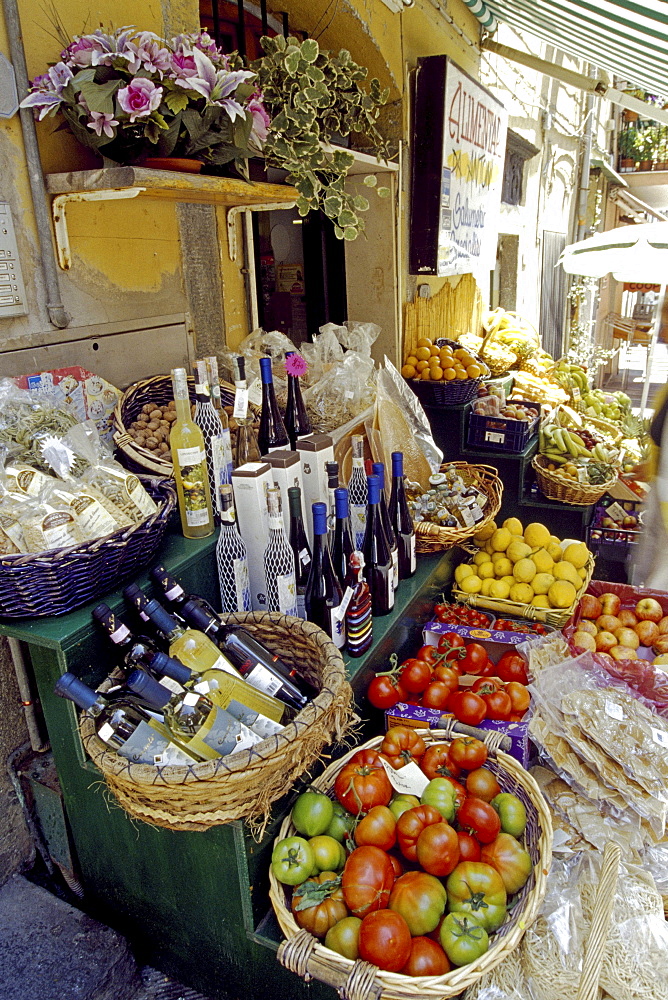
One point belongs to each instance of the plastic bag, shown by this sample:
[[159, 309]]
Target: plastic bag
[[345, 392], [393, 391], [26, 419], [354, 335], [259, 344], [322, 354]]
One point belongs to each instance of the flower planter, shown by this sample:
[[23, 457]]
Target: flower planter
[[626, 165], [182, 163], [629, 116], [645, 165]]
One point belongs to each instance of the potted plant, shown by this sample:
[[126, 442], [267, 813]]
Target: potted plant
[[131, 95], [625, 147], [643, 146]]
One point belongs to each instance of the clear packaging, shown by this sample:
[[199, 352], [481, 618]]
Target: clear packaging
[[345, 392], [26, 420], [394, 393]]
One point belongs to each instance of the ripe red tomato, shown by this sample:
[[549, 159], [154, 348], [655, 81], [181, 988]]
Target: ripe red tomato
[[411, 824], [485, 685], [468, 752], [385, 691], [478, 818], [415, 675], [511, 667], [499, 705], [436, 762], [385, 940], [438, 849], [475, 660], [378, 828], [450, 643], [367, 880], [519, 696], [396, 865], [427, 958], [468, 707], [401, 745], [428, 654], [362, 783], [436, 695], [447, 675], [469, 848], [482, 784]]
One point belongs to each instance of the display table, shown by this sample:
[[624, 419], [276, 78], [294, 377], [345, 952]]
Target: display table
[[194, 904]]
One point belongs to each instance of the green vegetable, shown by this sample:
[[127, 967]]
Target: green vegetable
[[463, 939], [292, 860]]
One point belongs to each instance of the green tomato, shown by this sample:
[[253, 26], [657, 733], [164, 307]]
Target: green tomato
[[440, 793], [292, 860], [463, 939], [477, 890], [341, 824], [312, 813], [344, 937], [329, 854], [511, 812], [402, 803]]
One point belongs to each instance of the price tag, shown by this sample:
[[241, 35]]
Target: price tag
[[660, 736], [616, 512], [408, 780], [576, 394], [496, 437], [240, 404], [614, 710], [345, 601], [304, 557]]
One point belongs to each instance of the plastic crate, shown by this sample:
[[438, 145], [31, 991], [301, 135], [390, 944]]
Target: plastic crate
[[501, 433], [613, 543]]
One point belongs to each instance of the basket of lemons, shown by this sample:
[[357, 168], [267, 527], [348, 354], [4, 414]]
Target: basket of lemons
[[525, 571]]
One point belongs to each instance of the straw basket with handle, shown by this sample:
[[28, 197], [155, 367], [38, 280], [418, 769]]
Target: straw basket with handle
[[308, 957], [556, 486], [434, 538], [241, 785]]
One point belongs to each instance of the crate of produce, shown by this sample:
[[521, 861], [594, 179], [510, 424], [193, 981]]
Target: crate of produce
[[245, 784], [307, 956], [615, 529], [431, 537], [504, 431]]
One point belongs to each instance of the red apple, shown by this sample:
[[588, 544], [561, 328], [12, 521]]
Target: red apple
[[627, 637], [647, 632], [590, 606], [608, 623], [610, 604], [649, 610], [627, 618], [605, 641], [661, 644], [587, 626], [663, 626], [622, 653], [584, 640]]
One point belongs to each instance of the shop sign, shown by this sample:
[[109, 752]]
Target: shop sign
[[459, 143]]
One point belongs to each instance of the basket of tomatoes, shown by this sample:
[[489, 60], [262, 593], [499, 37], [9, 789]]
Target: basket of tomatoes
[[411, 867]]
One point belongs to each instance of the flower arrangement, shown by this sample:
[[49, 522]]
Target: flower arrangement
[[130, 94]]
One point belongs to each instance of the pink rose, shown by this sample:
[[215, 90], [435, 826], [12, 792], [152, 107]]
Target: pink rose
[[82, 50], [261, 120], [139, 98]]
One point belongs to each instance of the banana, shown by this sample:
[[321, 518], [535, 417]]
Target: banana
[[570, 444], [554, 457]]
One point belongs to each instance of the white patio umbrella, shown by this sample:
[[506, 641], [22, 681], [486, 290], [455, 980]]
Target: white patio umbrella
[[630, 253]]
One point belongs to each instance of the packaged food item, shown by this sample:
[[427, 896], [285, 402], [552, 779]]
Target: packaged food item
[[48, 523], [19, 477], [26, 420]]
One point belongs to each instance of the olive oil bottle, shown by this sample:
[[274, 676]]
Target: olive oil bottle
[[190, 468]]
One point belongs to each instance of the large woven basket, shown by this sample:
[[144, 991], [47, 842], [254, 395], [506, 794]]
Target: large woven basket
[[52, 583], [557, 487], [304, 954], [434, 538], [242, 785]]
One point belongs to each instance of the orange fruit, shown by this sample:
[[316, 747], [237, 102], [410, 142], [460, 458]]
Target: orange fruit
[[461, 374], [424, 342], [420, 366], [426, 374], [411, 360], [460, 352], [408, 371], [434, 351], [435, 362], [449, 374], [423, 354], [436, 374], [445, 353], [474, 371]]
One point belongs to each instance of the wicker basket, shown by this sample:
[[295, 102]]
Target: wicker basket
[[33, 585], [612, 430], [454, 393], [570, 491], [304, 954], [555, 617], [434, 538], [243, 785]]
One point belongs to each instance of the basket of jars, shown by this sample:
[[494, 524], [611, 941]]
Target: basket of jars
[[459, 501], [143, 417], [240, 785], [476, 933]]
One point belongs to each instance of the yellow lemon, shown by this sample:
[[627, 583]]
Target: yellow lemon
[[555, 540], [501, 539], [514, 525], [561, 594], [522, 593], [582, 573], [497, 556], [486, 588], [503, 567], [524, 571], [543, 560], [471, 585], [462, 571], [542, 582], [481, 557], [554, 548], [518, 550], [536, 534], [488, 546], [510, 579], [541, 601], [484, 533], [577, 553], [566, 571], [486, 571], [499, 589]]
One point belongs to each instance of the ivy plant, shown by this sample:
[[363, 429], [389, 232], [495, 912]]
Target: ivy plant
[[313, 96]]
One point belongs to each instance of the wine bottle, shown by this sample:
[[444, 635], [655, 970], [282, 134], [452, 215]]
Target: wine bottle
[[232, 558], [297, 422], [190, 467], [358, 492], [342, 545], [300, 547], [136, 601], [332, 469], [279, 561], [377, 555], [172, 593], [124, 725], [213, 379], [357, 597], [215, 429], [379, 470], [323, 590], [402, 522], [173, 672], [272, 434], [247, 448], [205, 730], [131, 651]]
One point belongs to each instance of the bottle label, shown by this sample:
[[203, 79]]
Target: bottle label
[[240, 403], [390, 590], [467, 516], [301, 605], [174, 592], [193, 475], [221, 735], [122, 632], [395, 568], [255, 392], [221, 457], [412, 554], [287, 594], [241, 585], [304, 557], [172, 685], [189, 456], [223, 664], [262, 679], [358, 523], [337, 627], [347, 597], [142, 746], [260, 724]]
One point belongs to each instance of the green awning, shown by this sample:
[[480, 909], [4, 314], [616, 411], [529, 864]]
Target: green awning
[[626, 38]]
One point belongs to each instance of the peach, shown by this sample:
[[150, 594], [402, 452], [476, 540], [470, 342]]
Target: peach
[[648, 609], [627, 637], [647, 632], [627, 617], [605, 641], [608, 623], [590, 606], [584, 640], [610, 604]]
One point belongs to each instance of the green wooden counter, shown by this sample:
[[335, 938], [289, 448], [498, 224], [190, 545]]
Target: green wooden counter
[[194, 904]]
